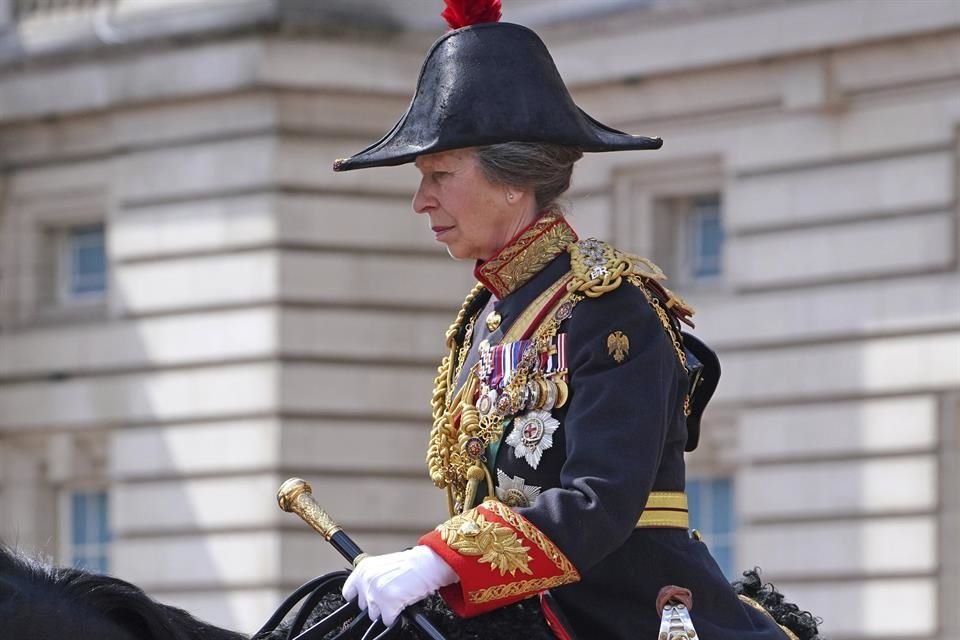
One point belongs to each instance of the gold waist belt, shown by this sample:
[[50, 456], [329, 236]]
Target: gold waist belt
[[665, 509]]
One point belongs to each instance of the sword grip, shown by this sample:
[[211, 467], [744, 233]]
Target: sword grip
[[296, 496]]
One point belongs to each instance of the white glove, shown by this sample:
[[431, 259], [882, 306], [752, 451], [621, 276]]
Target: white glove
[[385, 585]]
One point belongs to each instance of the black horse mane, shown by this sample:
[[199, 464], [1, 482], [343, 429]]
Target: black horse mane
[[121, 603], [802, 623]]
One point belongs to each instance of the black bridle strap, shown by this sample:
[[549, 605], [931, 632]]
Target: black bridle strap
[[334, 620], [291, 601], [307, 608]]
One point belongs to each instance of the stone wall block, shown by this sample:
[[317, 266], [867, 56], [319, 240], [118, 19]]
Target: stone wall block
[[307, 163], [400, 336], [206, 225], [885, 425], [848, 311], [210, 560], [856, 190], [904, 484], [895, 365], [191, 449], [187, 505], [792, 30], [204, 168], [147, 343], [355, 389], [860, 548], [197, 283], [898, 246], [331, 446], [354, 220], [178, 395], [349, 278], [870, 608]]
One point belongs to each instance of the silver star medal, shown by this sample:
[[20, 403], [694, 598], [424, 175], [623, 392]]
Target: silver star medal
[[514, 492], [532, 435]]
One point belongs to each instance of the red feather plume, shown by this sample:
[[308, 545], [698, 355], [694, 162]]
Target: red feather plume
[[463, 13]]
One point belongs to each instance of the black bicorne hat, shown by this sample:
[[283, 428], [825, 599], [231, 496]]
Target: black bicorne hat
[[487, 84]]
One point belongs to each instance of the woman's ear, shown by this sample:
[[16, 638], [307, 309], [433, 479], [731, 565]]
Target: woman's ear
[[513, 195]]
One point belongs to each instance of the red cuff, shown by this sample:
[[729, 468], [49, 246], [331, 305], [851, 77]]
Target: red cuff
[[500, 558]]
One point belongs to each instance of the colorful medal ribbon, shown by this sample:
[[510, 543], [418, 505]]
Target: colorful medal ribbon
[[504, 360]]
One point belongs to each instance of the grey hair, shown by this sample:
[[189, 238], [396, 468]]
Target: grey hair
[[542, 168]]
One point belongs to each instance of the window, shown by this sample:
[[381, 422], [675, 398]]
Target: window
[[671, 211], [704, 236], [81, 263], [696, 226], [711, 513], [57, 245], [89, 531]]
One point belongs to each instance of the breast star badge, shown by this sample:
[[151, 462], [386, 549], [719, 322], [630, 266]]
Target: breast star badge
[[618, 345], [532, 435], [514, 492]]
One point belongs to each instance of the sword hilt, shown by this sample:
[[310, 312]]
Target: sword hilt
[[296, 496]]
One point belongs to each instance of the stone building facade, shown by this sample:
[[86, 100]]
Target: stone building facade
[[259, 317]]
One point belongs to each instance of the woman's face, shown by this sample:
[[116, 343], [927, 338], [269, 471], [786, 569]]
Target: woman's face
[[471, 215]]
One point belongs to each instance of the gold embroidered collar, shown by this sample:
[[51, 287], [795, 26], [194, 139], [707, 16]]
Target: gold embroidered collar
[[524, 256]]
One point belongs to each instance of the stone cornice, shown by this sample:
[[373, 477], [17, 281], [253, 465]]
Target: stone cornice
[[54, 33], [205, 69], [761, 32]]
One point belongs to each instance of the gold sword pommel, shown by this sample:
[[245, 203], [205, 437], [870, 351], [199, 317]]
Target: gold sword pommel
[[296, 496]]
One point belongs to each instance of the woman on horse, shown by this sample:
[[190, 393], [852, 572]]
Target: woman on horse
[[569, 395]]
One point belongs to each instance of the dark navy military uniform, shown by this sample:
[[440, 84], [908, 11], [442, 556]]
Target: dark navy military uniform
[[621, 435]]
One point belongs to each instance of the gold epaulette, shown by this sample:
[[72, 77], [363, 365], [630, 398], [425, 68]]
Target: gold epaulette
[[598, 268]]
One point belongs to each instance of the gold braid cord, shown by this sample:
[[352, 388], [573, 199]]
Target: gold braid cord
[[654, 302], [442, 431], [597, 268]]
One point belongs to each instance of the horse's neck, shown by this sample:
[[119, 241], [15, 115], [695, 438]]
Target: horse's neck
[[74, 604]]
